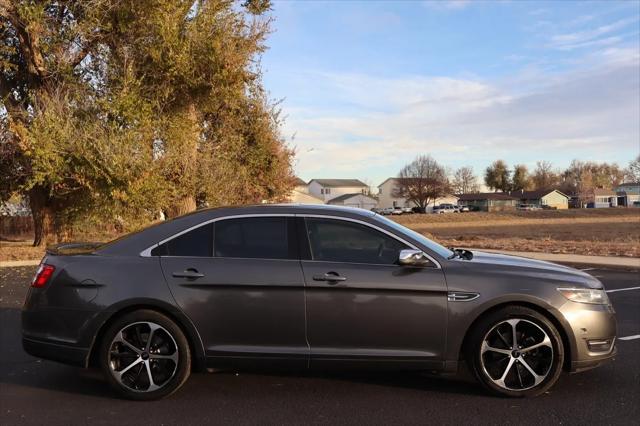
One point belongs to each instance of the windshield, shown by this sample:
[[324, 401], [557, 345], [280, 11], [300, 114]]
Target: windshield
[[431, 245]]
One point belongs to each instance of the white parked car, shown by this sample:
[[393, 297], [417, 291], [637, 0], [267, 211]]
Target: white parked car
[[386, 211], [397, 211], [445, 208], [528, 207], [408, 210]]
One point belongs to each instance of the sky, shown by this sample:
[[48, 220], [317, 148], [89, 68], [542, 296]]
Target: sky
[[366, 86]]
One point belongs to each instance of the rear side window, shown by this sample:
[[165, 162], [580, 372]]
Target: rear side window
[[342, 241], [256, 237], [195, 243]]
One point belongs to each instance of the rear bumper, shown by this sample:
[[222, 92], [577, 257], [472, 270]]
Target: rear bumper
[[56, 352]]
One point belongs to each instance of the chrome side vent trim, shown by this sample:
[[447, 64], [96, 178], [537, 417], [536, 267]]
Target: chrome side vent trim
[[461, 296]]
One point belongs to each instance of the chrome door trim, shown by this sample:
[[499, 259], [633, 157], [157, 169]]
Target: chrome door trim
[[147, 252]]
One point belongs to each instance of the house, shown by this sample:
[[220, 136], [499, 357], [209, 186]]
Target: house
[[354, 200], [489, 201], [388, 197], [328, 189], [628, 193], [548, 197], [300, 194], [602, 198]]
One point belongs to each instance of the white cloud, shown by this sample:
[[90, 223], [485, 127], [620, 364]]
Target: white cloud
[[593, 36], [448, 4], [378, 124]]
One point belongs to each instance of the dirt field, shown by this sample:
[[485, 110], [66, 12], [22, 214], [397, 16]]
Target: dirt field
[[604, 232]]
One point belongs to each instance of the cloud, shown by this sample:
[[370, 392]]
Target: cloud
[[447, 4], [590, 37], [378, 124]]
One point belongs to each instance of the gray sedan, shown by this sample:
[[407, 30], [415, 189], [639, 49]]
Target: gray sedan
[[299, 286]]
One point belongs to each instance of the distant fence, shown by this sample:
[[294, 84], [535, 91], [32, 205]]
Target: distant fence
[[14, 226]]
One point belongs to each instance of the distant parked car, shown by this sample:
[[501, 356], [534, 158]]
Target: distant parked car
[[420, 210], [397, 211], [546, 207], [407, 210], [635, 204], [528, 207], [386, 211], [376, 210], [445, 208], [464, 209]]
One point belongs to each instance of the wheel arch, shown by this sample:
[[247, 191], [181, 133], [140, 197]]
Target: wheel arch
[[566, 334], [181, 320]]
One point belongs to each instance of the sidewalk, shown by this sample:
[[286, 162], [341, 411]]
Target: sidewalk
[[624, 262], [619, 262]]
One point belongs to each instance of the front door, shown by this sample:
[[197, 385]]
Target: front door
[[362, 306], [240, 282]]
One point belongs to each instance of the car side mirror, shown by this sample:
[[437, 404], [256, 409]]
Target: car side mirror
[[413, 258]]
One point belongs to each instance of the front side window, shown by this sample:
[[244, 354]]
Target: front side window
[[255, 237], [334, 240], [195, 243]]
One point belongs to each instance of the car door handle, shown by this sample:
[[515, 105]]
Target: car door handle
[[188, 273], [330, 277]]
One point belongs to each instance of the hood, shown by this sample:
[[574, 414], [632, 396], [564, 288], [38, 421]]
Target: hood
[[531, 267]]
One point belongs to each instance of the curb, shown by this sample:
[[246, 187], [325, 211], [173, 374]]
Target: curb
[[16, 263], [574, 259]]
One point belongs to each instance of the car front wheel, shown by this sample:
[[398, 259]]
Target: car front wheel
[[144, 355], [516, 352]]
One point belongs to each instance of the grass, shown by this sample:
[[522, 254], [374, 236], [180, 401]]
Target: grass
[[602, 232]]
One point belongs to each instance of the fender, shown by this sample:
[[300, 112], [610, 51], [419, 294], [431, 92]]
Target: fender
[[101, 323]]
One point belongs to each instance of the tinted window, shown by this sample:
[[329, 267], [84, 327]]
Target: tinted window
[[342, 241], [198, 243], [255, 237]]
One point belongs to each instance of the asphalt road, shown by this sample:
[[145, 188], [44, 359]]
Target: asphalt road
[[42, 392]]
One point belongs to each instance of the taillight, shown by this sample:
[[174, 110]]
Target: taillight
[[43, 275]]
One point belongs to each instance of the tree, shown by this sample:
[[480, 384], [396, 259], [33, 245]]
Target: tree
[[422, 181], [464, 181], [632, 172], [124, 108], [497, 176], [520, 179], [544, 177]]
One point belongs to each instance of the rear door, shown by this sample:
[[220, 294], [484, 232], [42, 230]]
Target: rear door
[[362, 306], [240, 281]]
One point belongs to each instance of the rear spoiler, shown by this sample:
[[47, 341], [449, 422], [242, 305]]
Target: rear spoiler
[[70, 249]]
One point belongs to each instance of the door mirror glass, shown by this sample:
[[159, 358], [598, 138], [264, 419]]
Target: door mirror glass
[[413, 258]]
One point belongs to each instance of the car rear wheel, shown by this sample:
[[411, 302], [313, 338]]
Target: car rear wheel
[[516, 352], [144, 355]]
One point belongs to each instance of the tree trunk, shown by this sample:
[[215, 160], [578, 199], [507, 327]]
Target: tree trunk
[[182, 206], [187, 203], [43, 217]]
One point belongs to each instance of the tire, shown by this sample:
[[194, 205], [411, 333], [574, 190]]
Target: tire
[[143, 370], [515, 371]]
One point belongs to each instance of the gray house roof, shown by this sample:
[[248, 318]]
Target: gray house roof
[[345, 197], [336, 183], [299, 182], [535, 195]]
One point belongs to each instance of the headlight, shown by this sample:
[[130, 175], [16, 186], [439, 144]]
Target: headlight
[[585, 295]]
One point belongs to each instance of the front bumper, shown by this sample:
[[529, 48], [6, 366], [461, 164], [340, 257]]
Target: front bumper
[[591, 325]]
